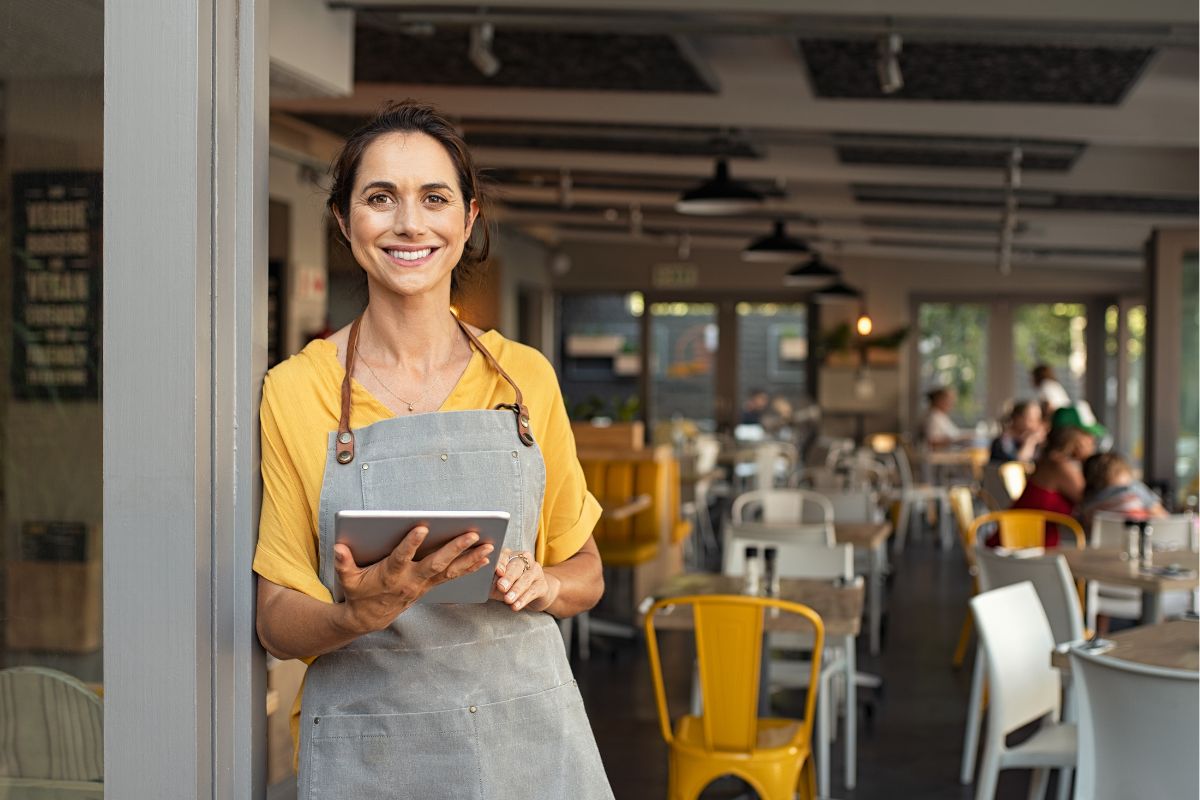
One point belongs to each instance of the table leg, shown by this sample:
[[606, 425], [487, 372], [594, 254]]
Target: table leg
[[851, 714], [1152, 612], [875, 597], [944, 522]]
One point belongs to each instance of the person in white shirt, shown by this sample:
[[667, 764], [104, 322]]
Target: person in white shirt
[[938, 429], [1050, 393]]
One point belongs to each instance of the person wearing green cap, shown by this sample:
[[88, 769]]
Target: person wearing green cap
[[1057, 482], [1079, 416]]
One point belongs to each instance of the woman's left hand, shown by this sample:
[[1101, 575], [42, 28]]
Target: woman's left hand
[[521, 582]]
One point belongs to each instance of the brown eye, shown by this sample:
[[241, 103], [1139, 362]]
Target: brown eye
[[379, 199]]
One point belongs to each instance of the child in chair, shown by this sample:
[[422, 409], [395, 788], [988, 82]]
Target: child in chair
[[1111, 487]]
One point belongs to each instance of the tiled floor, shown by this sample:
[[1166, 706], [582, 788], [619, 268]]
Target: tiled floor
[[910, 734]]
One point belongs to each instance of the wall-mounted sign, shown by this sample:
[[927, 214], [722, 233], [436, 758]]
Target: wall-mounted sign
[[57, 282], [680, 275]]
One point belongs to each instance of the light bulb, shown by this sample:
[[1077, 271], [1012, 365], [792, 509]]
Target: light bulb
[[864, 325]]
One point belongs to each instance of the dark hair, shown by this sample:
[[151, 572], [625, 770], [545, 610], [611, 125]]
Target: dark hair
[[1098, 470], [1020, 407], [1062, 439], [1041, 372], [409, 116], [933, 395]]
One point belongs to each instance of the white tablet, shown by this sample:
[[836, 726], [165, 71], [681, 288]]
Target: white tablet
[[373, 535]]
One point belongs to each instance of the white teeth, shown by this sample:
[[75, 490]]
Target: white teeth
[[410, 255]]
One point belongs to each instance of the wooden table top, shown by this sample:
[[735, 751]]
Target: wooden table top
[[949, 458], [862, 535], [840, 607], [1114, 566], [1175, 645], [625, 510]]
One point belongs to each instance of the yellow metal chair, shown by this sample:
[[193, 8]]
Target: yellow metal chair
[[1024, 527], [729, 738], [962, 503]]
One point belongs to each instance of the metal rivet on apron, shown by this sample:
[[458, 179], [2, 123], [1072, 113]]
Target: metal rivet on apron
[[316, 720], [473, 709], [344, 457], [444, 456], [344, 437], [525, 422], [515, 454], [366, 466]]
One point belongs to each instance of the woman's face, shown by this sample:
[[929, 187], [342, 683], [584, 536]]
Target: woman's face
[[408, 222]]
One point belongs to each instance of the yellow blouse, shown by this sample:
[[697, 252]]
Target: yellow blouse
[[300, 407]]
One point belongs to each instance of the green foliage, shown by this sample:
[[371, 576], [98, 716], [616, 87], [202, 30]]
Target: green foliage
[[953, 349]]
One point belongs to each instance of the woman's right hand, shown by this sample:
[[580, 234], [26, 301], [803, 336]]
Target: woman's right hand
[[377, 594]]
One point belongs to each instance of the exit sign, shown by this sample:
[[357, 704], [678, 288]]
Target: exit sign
[[675, 276]]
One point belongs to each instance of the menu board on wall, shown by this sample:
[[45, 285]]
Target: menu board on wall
[[57, 281]]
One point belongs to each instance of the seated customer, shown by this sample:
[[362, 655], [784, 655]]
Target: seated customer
[[1057, 481], [937, 428], [1112, 487], [1023, 433]]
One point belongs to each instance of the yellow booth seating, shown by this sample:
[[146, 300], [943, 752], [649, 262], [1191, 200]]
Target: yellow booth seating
[[641, 529]]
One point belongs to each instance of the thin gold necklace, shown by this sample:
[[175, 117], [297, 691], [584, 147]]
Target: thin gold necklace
[[410, 403]]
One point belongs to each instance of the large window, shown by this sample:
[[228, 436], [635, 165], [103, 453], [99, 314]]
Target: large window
[[1052, 334], [600, 355], [1187, 450], [952, 352], [772, 351], [683, 366], [51, 157]]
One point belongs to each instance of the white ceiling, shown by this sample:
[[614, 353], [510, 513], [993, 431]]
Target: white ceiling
[[1145, 145]]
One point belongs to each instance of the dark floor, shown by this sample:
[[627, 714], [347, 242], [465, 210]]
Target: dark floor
[[910, 737]]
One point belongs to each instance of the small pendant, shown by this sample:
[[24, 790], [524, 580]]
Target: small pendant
[[410, 408]]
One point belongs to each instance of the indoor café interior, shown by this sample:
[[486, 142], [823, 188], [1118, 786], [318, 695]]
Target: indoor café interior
[[870, 334]]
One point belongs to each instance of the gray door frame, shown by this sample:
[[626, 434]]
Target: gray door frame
[[185, 201]]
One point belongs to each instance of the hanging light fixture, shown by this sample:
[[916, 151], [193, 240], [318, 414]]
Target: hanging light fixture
[[838, 292], [863, 324], [719, 195], [815, 273], [776, 246]]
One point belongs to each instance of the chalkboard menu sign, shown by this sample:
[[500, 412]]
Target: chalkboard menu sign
[[57, 281]]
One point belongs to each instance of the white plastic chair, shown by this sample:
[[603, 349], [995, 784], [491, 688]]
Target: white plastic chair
[[1137, 729], [818, 562], [1051, 579], [853, 505], [1024, 688], [58, 746], [913, 496], [811, 512], [1177, 532]]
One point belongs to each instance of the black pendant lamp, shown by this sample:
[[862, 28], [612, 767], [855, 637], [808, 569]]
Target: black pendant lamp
[[839, 292], [815, 273], [776, 246], [719, 195]]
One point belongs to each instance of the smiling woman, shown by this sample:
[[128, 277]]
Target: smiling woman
[[403, 698]]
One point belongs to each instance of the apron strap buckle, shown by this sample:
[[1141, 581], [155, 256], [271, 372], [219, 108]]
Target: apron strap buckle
[[524, 431]]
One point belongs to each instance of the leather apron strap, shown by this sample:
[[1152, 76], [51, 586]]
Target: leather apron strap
[[345, 436]]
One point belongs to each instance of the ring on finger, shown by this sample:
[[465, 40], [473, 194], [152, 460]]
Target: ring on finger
[[519, 557]]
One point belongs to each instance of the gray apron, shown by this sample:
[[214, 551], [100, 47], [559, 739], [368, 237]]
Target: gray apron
[[464, 702]]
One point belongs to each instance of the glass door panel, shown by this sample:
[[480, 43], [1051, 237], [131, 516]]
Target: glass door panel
[[952, 352], [772, 360], [683, 363], [1053, 334], [51, 162]]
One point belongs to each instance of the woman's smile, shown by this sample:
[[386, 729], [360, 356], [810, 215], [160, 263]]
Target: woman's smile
[[410, 257]]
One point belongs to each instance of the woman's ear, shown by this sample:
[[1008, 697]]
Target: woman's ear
[[343, 226], [472, 215]]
